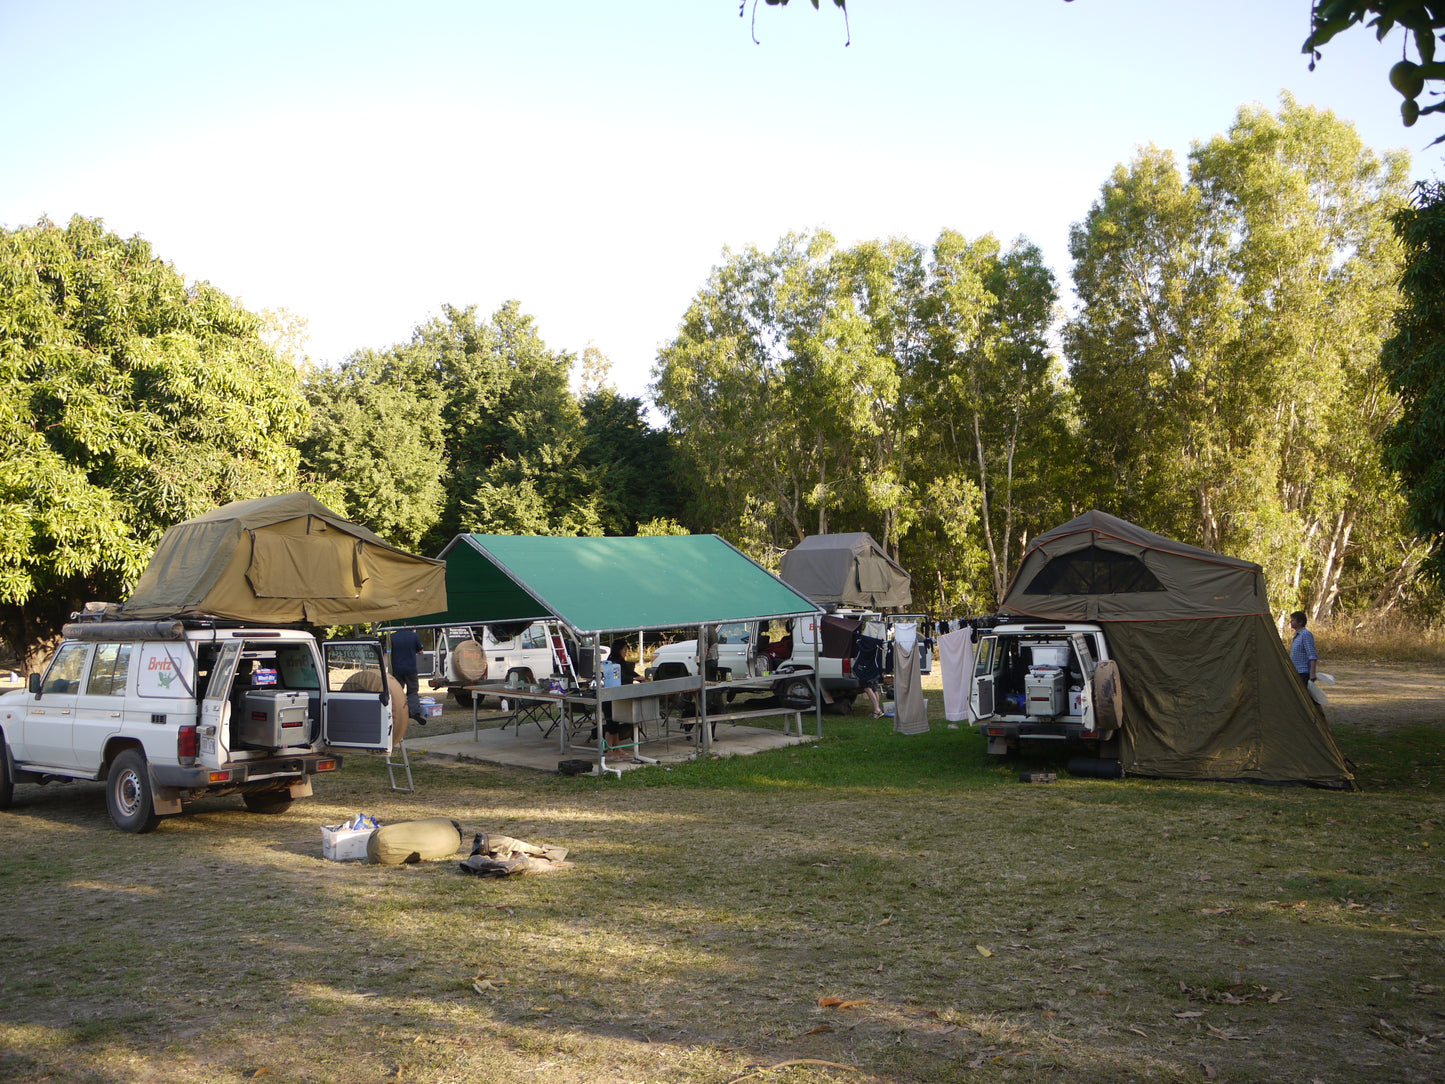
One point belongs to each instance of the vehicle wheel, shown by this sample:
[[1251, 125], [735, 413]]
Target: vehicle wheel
[[7, 775], [462, 697], [796, 691], [128, 793], [268, 801]]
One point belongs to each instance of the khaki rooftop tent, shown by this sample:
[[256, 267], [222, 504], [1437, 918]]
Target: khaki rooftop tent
[[846, 570], [1208, 688], [282, 560]]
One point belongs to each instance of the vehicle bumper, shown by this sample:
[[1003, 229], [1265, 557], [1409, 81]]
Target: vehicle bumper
[[177, 777]]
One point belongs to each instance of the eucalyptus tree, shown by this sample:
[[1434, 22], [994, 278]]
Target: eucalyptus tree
[[991, 409], [1225, 353], [131, 400]]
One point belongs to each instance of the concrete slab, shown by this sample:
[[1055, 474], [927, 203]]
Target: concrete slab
[[529, 749]]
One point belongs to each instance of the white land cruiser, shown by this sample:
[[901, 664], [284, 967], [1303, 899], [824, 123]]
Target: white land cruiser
[[470, 655], [1036, 683], [789, 666], [165, 712]]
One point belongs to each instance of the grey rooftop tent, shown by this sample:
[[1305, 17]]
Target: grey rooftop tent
[[281, 560], [1208, 689], [846, 570]]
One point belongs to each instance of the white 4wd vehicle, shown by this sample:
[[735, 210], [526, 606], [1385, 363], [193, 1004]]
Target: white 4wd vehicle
[[791, 673], [471, 655], [165, 712], [1036, 683]]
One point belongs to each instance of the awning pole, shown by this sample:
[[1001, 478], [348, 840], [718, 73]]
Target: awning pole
[[817, 675], [703, 650]]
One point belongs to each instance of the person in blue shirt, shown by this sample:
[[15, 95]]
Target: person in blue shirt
[[405, 644], [1302, 649]]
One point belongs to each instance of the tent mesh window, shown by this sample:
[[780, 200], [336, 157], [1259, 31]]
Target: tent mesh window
[[1093, 571]]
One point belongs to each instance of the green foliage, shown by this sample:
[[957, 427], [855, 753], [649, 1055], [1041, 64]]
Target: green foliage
[[884, 388], [131, 401], [1226, 351], [376, 435], [1414, 359], [1421, 19], [630, 463]]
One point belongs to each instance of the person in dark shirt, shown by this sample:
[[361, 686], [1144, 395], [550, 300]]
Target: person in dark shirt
[[405, 645]]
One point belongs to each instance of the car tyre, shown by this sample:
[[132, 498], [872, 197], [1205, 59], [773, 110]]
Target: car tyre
[[796, 692], [128, 793], [462, 697], [268, 801], [7, 775]]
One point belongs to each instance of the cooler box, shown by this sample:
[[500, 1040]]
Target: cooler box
[[1044, 690], [273, 719]]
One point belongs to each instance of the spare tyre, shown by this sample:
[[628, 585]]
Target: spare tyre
[[469, 662]]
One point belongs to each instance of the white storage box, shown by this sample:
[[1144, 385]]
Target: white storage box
[[430, 708], [273, 719], [1044, 691], [340, 843]]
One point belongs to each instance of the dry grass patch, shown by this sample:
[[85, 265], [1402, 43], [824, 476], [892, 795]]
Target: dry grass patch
[[898, 905]]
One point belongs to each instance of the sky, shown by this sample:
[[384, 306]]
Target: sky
[[362, 164]]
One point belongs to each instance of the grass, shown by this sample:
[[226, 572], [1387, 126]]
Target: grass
[[1385, 641], [902, 906]]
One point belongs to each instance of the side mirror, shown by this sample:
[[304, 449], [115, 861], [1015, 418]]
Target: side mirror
[[33, 684]]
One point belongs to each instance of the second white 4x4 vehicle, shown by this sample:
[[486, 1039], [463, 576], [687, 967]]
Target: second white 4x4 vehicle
[[1039, 684], [165, 712]]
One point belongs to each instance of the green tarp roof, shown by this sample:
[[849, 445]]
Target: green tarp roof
[[608, 584]]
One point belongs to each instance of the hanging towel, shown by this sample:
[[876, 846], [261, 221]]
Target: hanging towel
[[910, 710], [955, 659]]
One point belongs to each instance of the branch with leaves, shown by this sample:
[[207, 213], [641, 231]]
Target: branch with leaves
[[841, 5], [1422, 19]]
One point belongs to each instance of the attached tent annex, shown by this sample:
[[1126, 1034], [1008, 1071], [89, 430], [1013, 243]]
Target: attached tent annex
[[282, 560], [1208, 688], [846, 570]]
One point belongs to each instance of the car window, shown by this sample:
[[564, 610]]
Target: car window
[[63, 677], [298, 669], [535, 637], [734, 634], [109, 670], [353, 668], [983, 656]]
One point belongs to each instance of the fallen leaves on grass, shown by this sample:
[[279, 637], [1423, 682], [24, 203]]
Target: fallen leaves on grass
[[983, 951], [838, 1003]]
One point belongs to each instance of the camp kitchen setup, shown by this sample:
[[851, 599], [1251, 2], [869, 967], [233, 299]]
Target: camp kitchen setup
[[587, 591]]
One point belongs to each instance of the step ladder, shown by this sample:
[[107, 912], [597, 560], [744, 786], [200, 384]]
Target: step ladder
[[393, 765]]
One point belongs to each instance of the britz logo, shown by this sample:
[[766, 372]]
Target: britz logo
[[167, 674]]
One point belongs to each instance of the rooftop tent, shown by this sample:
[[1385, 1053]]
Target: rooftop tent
[[612, 584], [846, 570], [1209, 691], [281, 560]]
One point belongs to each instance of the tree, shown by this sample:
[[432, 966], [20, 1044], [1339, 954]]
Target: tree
[[131, 401], [1226, 351], [376, 437], [1414, 360], [815, 390], [631, 463]]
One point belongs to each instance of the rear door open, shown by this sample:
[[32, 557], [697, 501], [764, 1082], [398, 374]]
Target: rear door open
[[355, 699]]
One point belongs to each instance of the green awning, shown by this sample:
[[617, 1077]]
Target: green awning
[[611, 584]]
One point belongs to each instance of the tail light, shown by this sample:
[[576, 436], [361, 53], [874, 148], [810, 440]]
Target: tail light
[[188, 742], [847, 667]]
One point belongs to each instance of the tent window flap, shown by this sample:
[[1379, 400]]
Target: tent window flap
[[1093, 571]]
